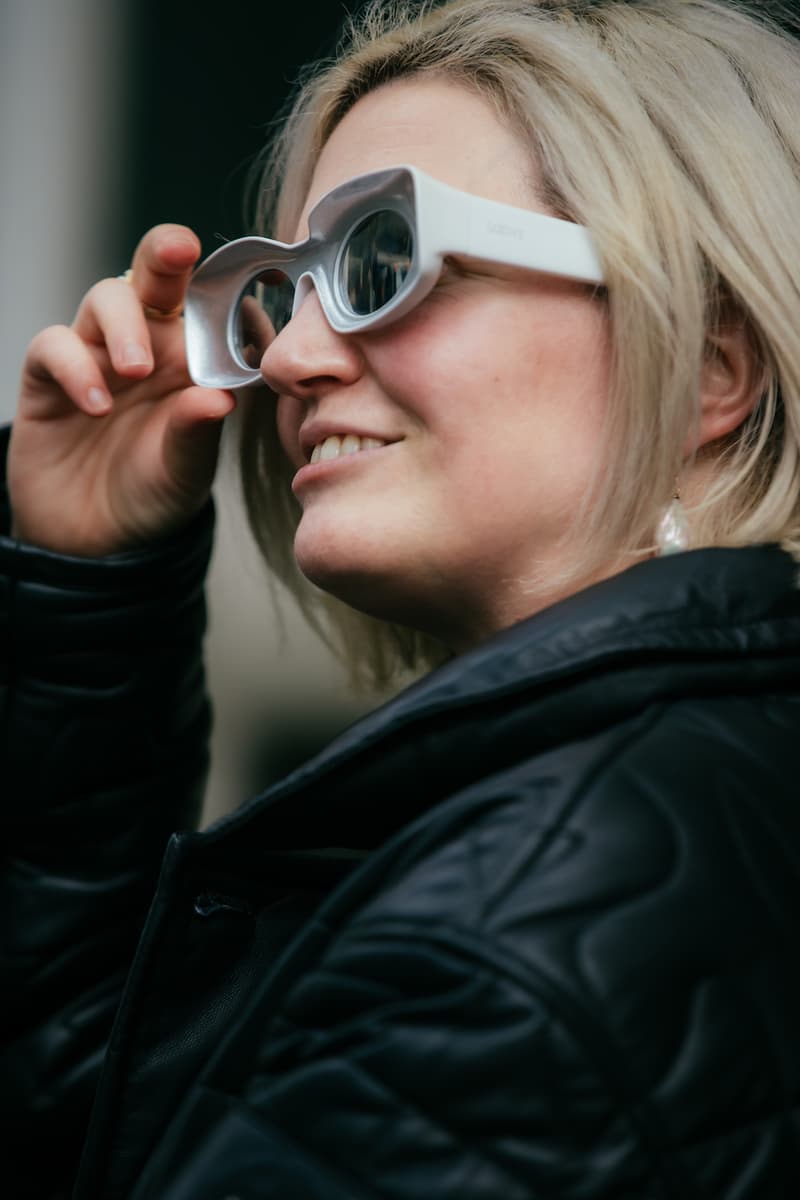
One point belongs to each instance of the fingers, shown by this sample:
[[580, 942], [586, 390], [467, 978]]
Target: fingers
[[113, 313], [111, 340], [111, 316], [191, 439], [59, 354], [162, 265]]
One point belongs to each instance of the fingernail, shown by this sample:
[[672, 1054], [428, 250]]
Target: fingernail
[[97, 400], [134, 354]]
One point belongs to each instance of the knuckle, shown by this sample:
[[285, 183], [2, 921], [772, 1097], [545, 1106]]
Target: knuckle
[[106, 290], [104, 287], [48, 339]]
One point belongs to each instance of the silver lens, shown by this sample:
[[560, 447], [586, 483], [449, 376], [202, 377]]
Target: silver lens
[[264, 308], [376, 261]]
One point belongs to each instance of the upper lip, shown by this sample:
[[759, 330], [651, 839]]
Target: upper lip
[[317, 431]]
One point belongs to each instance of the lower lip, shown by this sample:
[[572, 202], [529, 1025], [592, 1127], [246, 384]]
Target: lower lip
[[327, 468]]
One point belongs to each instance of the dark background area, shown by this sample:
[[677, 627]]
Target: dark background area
[[206, 82]]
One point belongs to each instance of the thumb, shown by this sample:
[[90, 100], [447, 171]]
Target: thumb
[[192, 436]]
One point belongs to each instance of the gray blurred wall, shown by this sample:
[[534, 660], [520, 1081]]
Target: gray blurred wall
[[60, 120]]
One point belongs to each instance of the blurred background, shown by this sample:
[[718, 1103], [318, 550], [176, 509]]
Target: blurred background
[[114, 117]]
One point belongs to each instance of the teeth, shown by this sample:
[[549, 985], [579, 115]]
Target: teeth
[[336, 447]]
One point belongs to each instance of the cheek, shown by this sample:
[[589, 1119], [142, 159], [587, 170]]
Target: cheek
[[289, 414], [530, 369], [576, 346], [432, 361]]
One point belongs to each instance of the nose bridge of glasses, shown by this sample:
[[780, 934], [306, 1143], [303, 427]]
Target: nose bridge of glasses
[[303, 287], [316, 275]]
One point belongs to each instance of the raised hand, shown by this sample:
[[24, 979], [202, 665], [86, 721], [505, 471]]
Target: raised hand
[[112, 445]]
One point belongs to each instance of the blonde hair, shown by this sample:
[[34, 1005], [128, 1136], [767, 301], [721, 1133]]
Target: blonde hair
[[669, 128]]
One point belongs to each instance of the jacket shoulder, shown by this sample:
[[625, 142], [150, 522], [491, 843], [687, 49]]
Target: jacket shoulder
[[676, 800]]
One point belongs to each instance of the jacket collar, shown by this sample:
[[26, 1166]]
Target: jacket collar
[[713, 620]]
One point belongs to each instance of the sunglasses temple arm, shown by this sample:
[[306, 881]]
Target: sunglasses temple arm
[[484, 229]]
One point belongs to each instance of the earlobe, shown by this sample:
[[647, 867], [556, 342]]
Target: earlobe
[[732, 383]]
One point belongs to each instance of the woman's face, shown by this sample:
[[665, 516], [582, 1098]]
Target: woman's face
[[479, 413]]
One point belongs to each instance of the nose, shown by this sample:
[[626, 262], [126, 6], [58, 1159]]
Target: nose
[[308, 357]]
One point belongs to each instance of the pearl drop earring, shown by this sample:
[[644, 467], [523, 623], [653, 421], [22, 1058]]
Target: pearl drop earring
[[672, 534]]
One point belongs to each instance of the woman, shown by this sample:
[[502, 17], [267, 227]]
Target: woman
[[528, 930]]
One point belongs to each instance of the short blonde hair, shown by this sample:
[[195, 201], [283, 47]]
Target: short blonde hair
[[669, 128]]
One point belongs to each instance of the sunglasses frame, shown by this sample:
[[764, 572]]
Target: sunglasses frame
[[443, 220]]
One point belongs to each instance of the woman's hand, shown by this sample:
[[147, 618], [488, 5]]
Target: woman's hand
[[112, 445]]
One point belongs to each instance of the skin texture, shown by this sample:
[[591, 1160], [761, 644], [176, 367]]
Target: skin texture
[[492, 393]]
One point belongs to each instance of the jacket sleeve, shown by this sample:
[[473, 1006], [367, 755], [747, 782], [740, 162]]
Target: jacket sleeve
[[105, 724]]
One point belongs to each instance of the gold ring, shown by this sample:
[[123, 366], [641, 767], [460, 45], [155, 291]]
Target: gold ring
[[150, 311]]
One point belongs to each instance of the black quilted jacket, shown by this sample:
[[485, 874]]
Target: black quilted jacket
[[529, 931]]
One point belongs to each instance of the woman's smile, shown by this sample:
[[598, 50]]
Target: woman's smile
[[333, 454], [338, 447]]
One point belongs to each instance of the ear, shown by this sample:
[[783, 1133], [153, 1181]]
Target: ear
[[732, 382]]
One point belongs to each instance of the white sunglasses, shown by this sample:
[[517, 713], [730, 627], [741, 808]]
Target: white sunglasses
[[375, 249]]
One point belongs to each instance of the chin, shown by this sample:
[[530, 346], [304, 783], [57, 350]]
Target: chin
[[360, 589], [378, 589]]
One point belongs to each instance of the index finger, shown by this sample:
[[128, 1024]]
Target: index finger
[[162, 265]]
